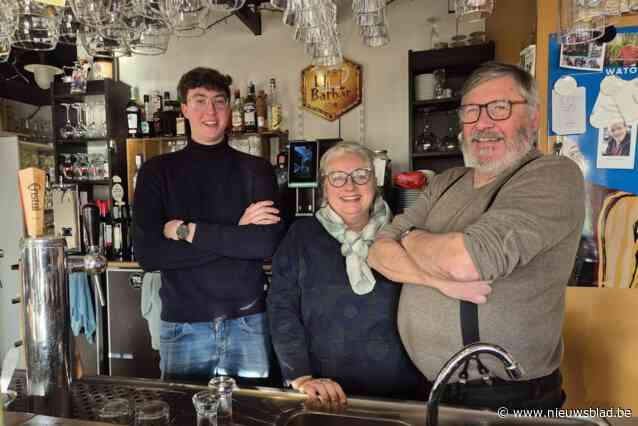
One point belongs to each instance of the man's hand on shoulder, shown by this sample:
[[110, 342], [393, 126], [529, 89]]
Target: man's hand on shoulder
[[260, 213]]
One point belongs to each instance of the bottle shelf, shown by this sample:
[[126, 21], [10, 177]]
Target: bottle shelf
[[87, 182], [61, 141], [270, 134], [455, 153]]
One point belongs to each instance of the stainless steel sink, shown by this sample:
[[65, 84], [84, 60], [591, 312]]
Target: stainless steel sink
[[311, 418], [361, 413]]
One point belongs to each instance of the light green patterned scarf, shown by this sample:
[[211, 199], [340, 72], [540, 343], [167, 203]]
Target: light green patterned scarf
[[354, 245]]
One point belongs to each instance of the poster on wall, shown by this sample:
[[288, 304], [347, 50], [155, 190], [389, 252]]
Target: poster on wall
[[605, 150]]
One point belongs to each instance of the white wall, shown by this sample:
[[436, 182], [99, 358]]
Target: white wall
[[233, 49]]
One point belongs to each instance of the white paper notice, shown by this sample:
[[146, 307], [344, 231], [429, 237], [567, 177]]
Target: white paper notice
[[568, 112]]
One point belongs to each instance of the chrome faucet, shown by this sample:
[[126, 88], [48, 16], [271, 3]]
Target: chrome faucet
[[514, 371]]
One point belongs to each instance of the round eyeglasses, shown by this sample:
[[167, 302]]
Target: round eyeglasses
[[359, 176], [497, 110], [200, 103]]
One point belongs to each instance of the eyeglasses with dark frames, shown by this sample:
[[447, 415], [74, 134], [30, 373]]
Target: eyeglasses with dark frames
[[200, 103], [498, 110], [339, 178]]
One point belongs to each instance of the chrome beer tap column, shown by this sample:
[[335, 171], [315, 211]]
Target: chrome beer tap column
[[44, 269]]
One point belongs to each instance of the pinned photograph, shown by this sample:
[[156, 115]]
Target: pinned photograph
[[584, 56], [622, 51], [616, 146]]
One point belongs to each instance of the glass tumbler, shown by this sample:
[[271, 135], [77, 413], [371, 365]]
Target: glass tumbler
[[225, 386], [152, 413], [206, 405], [117, 411]]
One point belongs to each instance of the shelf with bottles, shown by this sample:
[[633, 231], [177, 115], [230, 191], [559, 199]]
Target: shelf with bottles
[[265, 133], [430, 154], [147, 148]]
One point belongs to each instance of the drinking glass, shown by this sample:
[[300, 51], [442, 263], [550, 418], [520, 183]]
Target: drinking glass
[[224, 385], [427, 141], [5, 48], [473, 10], [439, 83], [117, 411], [450, 141], [67, 130], [100, 122], [79, 130], [206, 405], [37, 27], [152, 413]]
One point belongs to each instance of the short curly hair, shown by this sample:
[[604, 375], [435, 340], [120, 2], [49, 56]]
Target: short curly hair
[[207, 78]]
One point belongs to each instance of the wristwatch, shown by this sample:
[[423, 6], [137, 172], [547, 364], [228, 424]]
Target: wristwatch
[[182, 231], [405, 233]]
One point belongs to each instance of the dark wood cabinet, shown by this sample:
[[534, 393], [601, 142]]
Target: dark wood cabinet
[[434, 122], [101, 150]]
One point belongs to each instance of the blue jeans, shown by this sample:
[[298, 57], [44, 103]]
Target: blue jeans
[[198, 351]]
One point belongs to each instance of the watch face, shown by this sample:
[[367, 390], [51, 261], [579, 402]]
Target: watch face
[[182, 231]]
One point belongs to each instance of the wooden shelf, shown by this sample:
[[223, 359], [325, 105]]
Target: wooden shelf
[[268, 134], [455, 153], [81, 140], [87, 182]]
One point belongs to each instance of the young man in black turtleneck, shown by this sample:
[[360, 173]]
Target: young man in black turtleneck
[[206, 218]]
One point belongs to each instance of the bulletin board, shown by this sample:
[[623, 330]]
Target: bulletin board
[[593, 113]]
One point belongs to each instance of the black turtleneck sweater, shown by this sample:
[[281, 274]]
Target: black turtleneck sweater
[[220, 272]]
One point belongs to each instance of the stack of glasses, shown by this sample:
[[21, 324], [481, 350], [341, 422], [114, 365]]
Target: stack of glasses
[[370, 16], [106, 28]]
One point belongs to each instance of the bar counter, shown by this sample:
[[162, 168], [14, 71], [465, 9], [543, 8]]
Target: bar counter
[[252, 406]]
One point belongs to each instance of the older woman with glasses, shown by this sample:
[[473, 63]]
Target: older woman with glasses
[[332, 319]]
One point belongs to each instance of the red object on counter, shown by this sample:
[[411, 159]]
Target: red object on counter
[[410, 180]]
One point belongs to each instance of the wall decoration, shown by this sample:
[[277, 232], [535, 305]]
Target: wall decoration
[[585, 56], [608, 251], [331, 92]]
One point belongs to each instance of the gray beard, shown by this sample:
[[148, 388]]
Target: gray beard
[[514, 151]]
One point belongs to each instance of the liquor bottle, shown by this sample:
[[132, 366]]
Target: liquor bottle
[[156, 105], [134, 116], [126, 232], [261, 109], [237, 113], [167, 104], [130, 234], [146, 130], [118, 234], [106, 231], [138, 164], [180, 125], [274, 108], [250, 113]]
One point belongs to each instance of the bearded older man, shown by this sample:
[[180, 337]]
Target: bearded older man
[[501, 235]]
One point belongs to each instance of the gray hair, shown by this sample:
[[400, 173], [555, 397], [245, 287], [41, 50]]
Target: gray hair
[[493, 70], [339, 149]]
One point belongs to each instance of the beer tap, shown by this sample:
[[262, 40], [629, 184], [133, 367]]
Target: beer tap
[[93, 262]]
